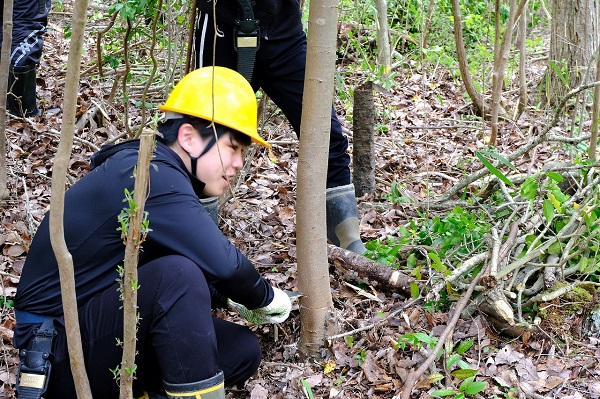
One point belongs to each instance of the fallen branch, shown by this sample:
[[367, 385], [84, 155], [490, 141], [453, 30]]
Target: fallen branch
[[356, 267]]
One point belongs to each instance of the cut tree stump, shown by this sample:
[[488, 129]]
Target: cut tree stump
[[363, 146]]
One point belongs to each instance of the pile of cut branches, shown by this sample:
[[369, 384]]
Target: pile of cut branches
[[530, 237]]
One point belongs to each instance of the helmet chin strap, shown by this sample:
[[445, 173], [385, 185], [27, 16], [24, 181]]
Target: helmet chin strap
[[194, 160]]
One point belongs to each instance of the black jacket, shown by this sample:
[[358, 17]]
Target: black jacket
[[179, 225], [279, 19]]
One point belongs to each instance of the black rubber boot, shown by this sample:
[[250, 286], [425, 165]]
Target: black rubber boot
[[211, 204], [212, 388], [342, 218], [21, 99]]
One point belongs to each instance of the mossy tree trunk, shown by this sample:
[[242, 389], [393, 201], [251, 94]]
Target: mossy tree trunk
[[573, 40]]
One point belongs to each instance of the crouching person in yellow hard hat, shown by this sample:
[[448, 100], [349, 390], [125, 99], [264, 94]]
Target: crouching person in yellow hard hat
[[187, 267]]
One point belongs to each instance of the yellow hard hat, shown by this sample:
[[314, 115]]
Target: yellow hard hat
[[234, 100]]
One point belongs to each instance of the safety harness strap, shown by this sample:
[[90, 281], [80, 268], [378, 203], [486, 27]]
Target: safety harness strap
[[34, 370], [246, 57], [246, 38]]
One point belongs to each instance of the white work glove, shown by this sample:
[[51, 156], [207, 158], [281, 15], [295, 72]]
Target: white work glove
[[275, 312]]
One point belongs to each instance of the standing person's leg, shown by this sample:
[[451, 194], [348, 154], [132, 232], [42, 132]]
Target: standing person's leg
[[29, 25], [223, 52], [177, 341], [280, 72]]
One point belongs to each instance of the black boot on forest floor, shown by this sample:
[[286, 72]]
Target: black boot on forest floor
[[21, 100], [212, 388], [342, 218]]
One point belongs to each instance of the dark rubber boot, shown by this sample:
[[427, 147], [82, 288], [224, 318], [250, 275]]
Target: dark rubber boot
[[212, 388], [342, 218], [211, 204], [21, 99]]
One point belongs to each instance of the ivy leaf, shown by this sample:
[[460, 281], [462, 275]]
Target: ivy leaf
[[557, 177], [453, 358], [472, 387], [554, 248], [437, 263], [555, 202], [529, 188], [560, 196], [548, 210], [442, 392], [464, 373], [411, 261], [414, 290], [433, 378], [464, 346]]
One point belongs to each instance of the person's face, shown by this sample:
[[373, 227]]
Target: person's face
[[220, 163]]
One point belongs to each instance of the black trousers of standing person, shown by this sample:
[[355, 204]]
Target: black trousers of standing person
[[179, 341], [30, 18], [279, 70]]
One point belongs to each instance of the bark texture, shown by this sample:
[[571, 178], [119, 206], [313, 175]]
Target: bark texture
[[356, 267], [363, 150], [7, 26], [59, 179], [316, 305], [573, 40]]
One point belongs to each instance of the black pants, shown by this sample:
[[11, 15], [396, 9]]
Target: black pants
[[30, 18], [279, 71], [178, 339]]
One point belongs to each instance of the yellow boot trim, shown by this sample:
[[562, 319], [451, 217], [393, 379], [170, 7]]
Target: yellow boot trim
[[198, 394], [144, 396]]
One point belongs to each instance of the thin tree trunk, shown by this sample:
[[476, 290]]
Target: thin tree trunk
[[595, 112], [363, 146], [501, 52], [316, 305], [135, 237], [463, 65], [384, 56], [7, 26], [190, 44], [523, 99], [427, 26], [57, 236]]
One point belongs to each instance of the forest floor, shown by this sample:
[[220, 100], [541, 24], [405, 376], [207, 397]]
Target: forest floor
[[430, 143]]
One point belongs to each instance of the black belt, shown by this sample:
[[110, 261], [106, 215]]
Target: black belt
[[35, 366], [246, 39]]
